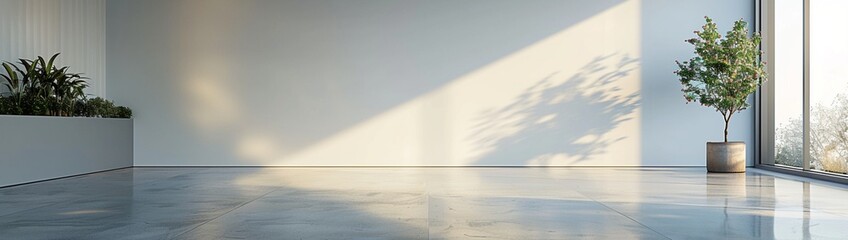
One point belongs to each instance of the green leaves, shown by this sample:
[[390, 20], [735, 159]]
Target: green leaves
[[725, 71], [38, 87], [99, 107]]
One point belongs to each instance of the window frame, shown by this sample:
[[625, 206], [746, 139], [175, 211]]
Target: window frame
[[764, 99]]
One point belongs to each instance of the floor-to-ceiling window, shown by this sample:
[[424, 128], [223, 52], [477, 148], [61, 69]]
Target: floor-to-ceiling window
[[788, 80], [806, 107], [828, 85]]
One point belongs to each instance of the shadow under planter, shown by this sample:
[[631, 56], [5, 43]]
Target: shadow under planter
[[34, 148], [726, 157]]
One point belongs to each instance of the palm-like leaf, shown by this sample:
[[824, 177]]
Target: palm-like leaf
[[39, 87]]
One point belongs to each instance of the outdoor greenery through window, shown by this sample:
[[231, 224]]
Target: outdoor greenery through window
[[828, 93]]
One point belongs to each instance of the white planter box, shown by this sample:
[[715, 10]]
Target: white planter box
[[34, 148]]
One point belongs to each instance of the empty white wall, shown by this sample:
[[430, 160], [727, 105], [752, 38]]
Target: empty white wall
[[404, 82], [74, 28]]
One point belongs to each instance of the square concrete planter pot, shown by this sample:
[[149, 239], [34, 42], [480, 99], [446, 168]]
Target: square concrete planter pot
[[726, 157], [34, 148]]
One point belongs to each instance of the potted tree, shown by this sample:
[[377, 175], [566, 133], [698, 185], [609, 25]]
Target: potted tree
[[723, 73]]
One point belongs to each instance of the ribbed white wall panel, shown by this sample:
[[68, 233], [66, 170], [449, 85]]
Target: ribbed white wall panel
[[75, 28]]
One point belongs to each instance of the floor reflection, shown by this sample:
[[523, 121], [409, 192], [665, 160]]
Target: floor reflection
[[421, 203]]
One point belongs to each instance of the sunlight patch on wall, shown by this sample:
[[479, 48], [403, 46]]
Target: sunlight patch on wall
[[210, 103], [569, 99], [209, 86]]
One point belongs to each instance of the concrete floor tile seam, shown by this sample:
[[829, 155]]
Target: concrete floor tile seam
[[580, 197], [70, 199], [631, 219], [700, 205], [225, 213], [838, 213], [621, 214], [79, 198], [84, 176], [739, 208]]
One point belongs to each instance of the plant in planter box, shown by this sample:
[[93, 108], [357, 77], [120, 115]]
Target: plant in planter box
[[99, 107], [724, 72], [122, 112], [38, 87]]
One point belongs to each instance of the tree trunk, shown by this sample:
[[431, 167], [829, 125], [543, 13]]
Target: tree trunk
[[726, 124]]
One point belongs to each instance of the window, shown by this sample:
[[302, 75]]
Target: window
[[788, 79], [804, 111], [828, 86]]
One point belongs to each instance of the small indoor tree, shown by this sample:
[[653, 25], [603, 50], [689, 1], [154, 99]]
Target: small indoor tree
[[725, 71]]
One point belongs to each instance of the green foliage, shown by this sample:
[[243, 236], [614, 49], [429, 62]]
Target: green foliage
[[122, 112], [828, 137], [725, 71], [99, 107], [39, 87]]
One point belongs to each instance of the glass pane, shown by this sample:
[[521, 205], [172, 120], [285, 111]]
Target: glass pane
[[789, 82], [828, 86]]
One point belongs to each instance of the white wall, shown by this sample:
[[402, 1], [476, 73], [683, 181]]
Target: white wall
[[37, 148], [404, 82], [74, 28]]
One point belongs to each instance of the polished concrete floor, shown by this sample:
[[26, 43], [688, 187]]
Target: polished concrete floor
[[422, 203]]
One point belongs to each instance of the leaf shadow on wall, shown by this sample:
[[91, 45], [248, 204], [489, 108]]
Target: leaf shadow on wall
[[554, 119]]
